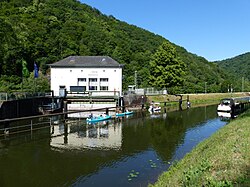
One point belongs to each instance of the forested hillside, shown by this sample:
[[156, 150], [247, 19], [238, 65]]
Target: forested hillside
[[239, 66], [46, 31]]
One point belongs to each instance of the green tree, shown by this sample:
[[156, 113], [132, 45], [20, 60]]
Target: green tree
[[166, 69], [46, 31], [40, 84], [9, 83]]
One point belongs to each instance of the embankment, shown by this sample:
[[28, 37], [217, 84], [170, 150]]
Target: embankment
[[221, 160]]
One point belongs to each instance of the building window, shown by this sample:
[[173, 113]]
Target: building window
[[92, 87], [77, 88], [104, 79], [92, 79], [104, 88], [81, 79]]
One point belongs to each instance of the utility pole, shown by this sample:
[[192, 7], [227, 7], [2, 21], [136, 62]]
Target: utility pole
[[205, 87], [231, 90], [242, 84], [135, 79]]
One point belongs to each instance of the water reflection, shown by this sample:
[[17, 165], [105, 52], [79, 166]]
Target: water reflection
[[102, 135], [224, 115], [103, 154]]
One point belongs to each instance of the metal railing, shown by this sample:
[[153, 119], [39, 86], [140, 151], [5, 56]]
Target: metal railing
[[4, 96], [146, 91], [25, 128], [32, 122], [94, 94]]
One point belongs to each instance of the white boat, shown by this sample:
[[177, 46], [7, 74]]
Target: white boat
[[224, 109], [225, 105], [230, 107], [154, 109]]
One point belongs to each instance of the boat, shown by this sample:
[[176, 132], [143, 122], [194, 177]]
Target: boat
[[225, 105], [224, 109], [98, 118], [229, 107], [124, 113], [154, 109]]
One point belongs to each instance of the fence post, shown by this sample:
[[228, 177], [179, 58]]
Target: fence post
[[65, 133], [65, 109]]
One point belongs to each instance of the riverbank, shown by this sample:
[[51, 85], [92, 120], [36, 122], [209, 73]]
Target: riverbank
[[221, 160], [196, 99]]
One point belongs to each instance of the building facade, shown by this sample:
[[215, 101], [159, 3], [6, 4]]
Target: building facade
[[97, 74]]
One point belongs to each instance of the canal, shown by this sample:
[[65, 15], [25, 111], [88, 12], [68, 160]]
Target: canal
[[129, 151]]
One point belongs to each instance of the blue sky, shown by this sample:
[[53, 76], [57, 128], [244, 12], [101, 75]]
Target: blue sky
[[214, 29]]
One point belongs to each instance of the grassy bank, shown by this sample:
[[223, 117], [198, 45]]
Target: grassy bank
[[196, 99], [221, 160]]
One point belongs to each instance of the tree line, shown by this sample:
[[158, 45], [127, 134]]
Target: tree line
[[42, 32]]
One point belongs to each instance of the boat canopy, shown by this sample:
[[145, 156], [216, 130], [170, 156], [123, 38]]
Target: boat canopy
[[235, 100]]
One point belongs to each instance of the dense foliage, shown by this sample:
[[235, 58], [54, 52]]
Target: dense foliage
[[239, 67], [166, 69], [46, 31]]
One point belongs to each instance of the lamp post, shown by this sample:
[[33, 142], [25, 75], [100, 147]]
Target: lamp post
[[205, 87]]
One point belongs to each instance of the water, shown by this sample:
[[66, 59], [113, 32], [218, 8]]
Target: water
[[131, 151]]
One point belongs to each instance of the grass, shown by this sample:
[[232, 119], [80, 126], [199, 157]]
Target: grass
[[196, 99], [221, 160]]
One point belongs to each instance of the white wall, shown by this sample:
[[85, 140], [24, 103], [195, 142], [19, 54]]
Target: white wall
[[69, 77]]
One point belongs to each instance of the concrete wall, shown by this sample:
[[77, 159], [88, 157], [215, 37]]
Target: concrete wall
[[22, 107]]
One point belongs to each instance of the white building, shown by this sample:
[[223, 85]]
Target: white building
[[96, 74]]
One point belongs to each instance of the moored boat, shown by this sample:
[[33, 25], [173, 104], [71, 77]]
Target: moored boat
[[124, 113], [225, 105], [231, 107], [154, 109], [98, 118]]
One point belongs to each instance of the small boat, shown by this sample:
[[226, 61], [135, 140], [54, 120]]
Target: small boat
[[225, 105], [231, 107], [224, 109], [124, 113], [98, 118], [154, 109]]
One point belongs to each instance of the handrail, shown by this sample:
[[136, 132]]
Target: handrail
[[24, 128], [31, 125], [4, 96]]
